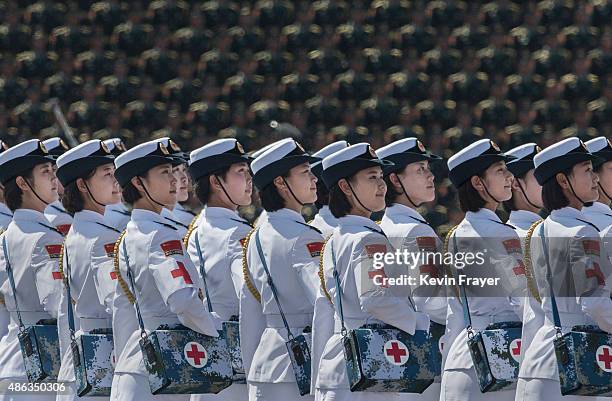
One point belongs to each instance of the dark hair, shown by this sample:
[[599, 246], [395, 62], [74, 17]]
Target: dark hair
[[322, 195], [469, 198], [13, 195], [339, 204], [552, 194], [201, 187], [271, 200], [130, 193], [73, 198], [391, 195]]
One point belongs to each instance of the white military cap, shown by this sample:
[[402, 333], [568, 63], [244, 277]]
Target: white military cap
[[261, 151], [56, 146], [317, 168], [140, 159], [174, 149], [523, 158], [19, 158], [560, 157], [473, 160], [115, 146], [278, 160], [348, 161], [78, 162], [215, 156], [404, 152], [600, 147]]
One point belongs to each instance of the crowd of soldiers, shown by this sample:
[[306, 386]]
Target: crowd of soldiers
[[111, 287]]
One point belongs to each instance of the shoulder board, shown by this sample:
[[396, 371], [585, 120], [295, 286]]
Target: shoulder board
[[531, 283], [589, 223], [109, 227], [311, 227], [167, 225], [243, 222]]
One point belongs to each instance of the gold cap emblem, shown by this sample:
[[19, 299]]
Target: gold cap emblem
[[420, 146], [494, 146], [163, 148]]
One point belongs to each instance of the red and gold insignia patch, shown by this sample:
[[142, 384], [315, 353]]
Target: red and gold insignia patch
[[591, 247], [315, 248], [597, 273], [430, 269], [173, 247], [242, 241], [512, 245], [426, 243], [57, 275], [54, 251], [110, 250], [519, 269], [372, 274], [63, 228], [375, 248]]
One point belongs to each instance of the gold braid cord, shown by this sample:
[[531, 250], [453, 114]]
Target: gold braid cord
[[122, 283], [245, 268], [190, 229], [531, 283], [447, 268], [322, 274]]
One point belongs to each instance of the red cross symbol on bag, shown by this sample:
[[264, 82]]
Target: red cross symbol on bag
[[396, 352], [195, 354], [603, 356], [515, 349]]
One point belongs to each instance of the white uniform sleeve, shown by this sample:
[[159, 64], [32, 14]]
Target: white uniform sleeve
[[322, 331], [252, 325], [172, 271], [388, 304], [305, 256], [48, 278], [103, 268], [234, 254]]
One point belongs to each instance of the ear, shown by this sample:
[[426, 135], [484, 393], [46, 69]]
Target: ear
[[137, 183], [515, 184], [344, 187], [280, 183], [562, 180], [213, 182], [477, 183], [80, 183], [395, 180], [22, 184]]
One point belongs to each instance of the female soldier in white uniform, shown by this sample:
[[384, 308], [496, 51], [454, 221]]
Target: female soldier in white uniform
[[33, 250], [87, 174], [116, 215], [223, 183], [568, 182], [599, 212], [55, 212], [483, 181], [410, 183], [6, 215], [164, 277], [291, 251], [357, 189]]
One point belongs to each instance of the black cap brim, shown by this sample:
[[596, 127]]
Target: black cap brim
[[209, 165], [401, 160], [19, 165], [81, 168], [550, 168], [460, 174], [347, 168], [141, 165], [266, 175]]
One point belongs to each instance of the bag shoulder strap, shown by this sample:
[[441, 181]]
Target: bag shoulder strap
[[467, 318], [66, 277], [555, 310], [9, 271], [133, 285], [203, 271], [338, 289], [271, 284]]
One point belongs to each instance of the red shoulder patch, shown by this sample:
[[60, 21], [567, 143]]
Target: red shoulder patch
[[315, 248], [426, 243], [110, 250], [173, 247], [512, 245], [519, 268], [373, 274], [54, 251], [591, 247], [375, 248], [242, 241], [597, 273], [63, 228]]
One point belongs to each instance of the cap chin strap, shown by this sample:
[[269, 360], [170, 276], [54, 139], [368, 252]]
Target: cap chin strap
[[487, 190], [91, 195], [605, 192], [225, 192], [406, 193], [574, 192], [35, 194], [357, 198], [148, 195], [291, 192], [526, 197]]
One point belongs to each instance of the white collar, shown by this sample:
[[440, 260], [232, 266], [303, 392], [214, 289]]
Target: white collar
[[30, 215], [325, 212], [354, 220], [5, 210], [89, 215], [524, 215], [217, 212], [286, 214], [598, 207], [483, 214], [567, 212], [146, 215], [402, 213]]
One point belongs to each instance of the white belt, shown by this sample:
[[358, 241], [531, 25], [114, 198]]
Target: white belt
[[293, 320], [29, 318], [92, 323], [481, 322], [153, 322]]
